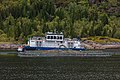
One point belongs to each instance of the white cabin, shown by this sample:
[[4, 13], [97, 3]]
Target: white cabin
[[54, 40]]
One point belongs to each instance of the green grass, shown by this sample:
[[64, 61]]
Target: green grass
[[15, 42], [101, 39], [8, 55]]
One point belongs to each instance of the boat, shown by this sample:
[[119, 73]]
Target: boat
[[52, 41], [61, 54]]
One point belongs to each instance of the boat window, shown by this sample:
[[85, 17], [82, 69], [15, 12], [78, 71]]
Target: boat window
[[54, 37], [48, 37], [57, 37], [60, 37], [51, 37], [37, 43]]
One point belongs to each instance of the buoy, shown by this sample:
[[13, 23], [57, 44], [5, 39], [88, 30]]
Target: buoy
[[20, 49]]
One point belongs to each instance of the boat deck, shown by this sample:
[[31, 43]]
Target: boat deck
[[56, 53]]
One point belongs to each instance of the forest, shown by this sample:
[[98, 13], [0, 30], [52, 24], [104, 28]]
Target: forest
[[21, 19]]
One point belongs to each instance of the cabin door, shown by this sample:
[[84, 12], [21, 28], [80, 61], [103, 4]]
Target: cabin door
[[70, 44], [38, 43]]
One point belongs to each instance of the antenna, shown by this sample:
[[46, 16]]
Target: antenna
[[55, 31]]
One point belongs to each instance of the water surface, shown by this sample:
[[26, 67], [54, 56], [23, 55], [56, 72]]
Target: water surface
[[60, 68]]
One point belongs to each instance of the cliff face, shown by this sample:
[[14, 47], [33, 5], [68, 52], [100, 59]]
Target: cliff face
[[96, 1], [111, 9], [20, 19]]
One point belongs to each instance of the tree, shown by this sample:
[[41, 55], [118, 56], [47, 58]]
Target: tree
[[104, 19], [9, 26]]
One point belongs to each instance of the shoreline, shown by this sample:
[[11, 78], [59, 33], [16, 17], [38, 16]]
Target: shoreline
[[8, 46], [87, 45], [95, 46]]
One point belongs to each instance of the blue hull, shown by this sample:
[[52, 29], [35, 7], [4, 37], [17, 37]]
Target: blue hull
[[51, 48]]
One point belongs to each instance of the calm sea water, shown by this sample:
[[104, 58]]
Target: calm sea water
[[60, 68]]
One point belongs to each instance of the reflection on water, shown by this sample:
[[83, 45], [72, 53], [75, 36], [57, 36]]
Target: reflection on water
[[60, 68]]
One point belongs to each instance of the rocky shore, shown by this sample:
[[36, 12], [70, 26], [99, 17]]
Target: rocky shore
[[86, 44], [8, 46], [93, 45]]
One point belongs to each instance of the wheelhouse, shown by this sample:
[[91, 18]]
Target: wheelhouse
[[54, 36]]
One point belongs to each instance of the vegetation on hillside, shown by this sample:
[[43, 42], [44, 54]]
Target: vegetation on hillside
[[20, 19], [102, 40]]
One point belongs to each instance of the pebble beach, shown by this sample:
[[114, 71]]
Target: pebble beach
[[87, 45]]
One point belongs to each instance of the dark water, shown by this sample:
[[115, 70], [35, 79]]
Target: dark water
[[60, 68]]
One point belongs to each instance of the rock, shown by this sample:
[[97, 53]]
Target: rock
[[8, 46]]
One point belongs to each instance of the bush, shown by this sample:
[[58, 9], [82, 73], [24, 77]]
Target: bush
[[3, 38]]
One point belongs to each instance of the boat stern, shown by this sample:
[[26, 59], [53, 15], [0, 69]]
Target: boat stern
[[20, 49]]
